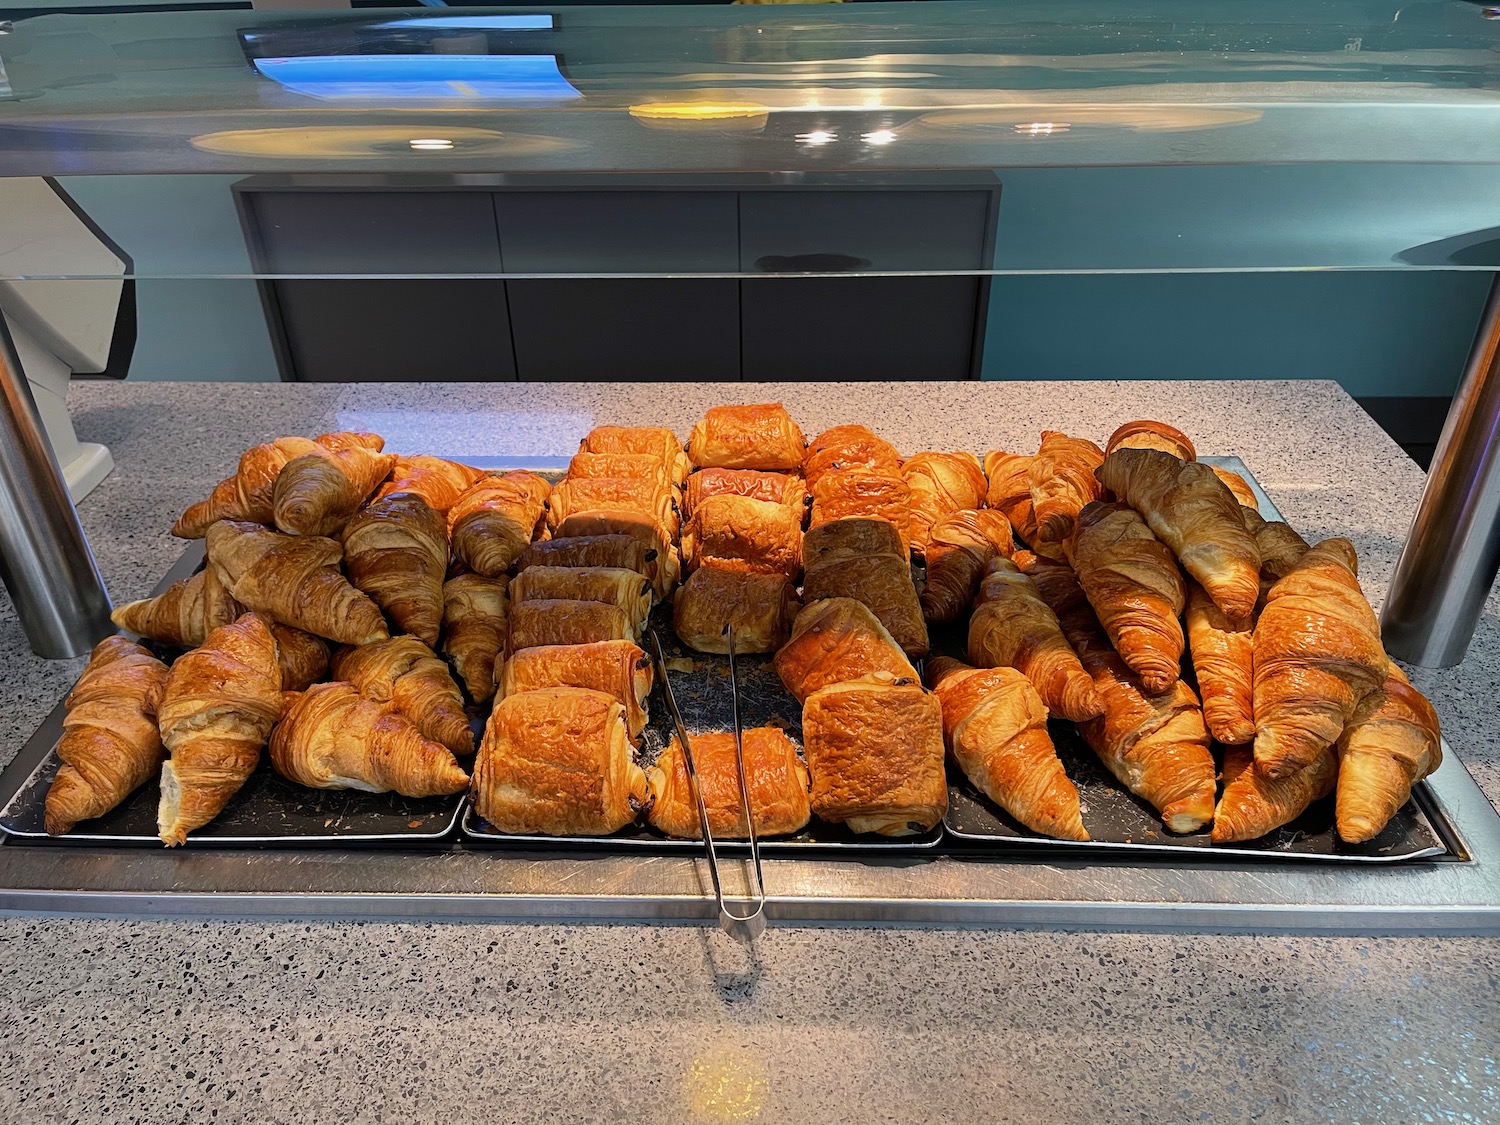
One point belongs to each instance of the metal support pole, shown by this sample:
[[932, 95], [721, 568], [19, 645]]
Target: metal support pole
[[44, 558], [1453, 551]]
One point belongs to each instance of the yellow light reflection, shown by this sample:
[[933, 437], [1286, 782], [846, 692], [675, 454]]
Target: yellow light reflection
[[722, 115], [296, 143], [727, 1085]]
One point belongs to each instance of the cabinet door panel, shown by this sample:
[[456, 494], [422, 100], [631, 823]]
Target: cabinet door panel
[[618, 231]]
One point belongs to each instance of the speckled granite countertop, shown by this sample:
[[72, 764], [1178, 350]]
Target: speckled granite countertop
[[114, 1020]]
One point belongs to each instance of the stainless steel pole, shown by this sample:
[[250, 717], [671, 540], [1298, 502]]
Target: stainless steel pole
[[1453, 551], [44, 558]]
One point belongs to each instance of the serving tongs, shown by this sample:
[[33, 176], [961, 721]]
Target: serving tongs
[[745, 927]]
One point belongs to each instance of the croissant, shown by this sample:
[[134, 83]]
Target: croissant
[[747, 437], [995, 725], [495, 520], [302, 657], [759, 606], [1222, 663], [1281, 549], [1190, 510], [110, 744], [404, 672], [616, 586], [565, 622], [620, 669], [622, 466], [775, 782], [1392, 742], [1013, 627], [835, 640], [875, 752], [850, 539], [247, 495], [185, 613], [625, 552], [941, 484], [217, 710], [319, 490], [294, 579], [475, 624], [1253, 805], [557, 762], [438, 481], [760, 534], [1054, 581], [857, 494], [664, 566], [334, 738], [849, 448], [779, 488], [1144, 434], [1238, 487], [1133, 583], [882, 582], [960, 547], [1155, 744], [1010, 491], [396, 551], [1317, 653], [617, 494], [656, 440]]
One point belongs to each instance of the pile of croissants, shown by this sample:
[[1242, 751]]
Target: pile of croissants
[[339, 577]]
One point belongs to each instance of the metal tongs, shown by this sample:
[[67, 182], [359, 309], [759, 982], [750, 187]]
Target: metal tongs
[[745, 927]]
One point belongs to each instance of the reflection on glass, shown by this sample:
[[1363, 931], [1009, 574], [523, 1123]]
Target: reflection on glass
[[507, 78]]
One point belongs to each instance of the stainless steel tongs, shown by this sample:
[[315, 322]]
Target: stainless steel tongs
[[749, 926]]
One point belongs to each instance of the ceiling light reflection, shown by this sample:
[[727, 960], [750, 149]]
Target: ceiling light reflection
[[817, 137], [1041, 128], [880, 137], [430, 144]]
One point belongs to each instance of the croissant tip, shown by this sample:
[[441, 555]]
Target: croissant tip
[[1358, 830]]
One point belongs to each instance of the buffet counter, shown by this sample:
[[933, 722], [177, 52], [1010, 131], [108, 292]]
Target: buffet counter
[[176, 1019]]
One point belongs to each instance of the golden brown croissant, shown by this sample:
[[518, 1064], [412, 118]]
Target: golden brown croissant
[[1252, 805], [217, 710], [302, 657], [620, 669], [663, 565], [436, 480], [565, 622], [1146, 434], [319, 490], [185, 613], [1317, 654], [995, 725], [110, 744], [779, 488], [845, 448], [1392, 742], [835, 640], [656, 440], [621, 466], [1281, 549], [1010, 492], [882, 582], [1190, 510], [1132, 581], [612, 494], [761, 534], [406, 674], [850, 539], [1155, 744], [623, 551], [494, 521], [396, 551], [747, 437], [856, 494], [1222, 663], [1013, 627], [1238, 487], [960, 546], [612, 585], [1054, 581], [475, 624], [774, 779], [759, 606], [1062, 481], [335, 738], [875, 752], [941, 484], [248, 494], [294, 579], [557, 762]]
